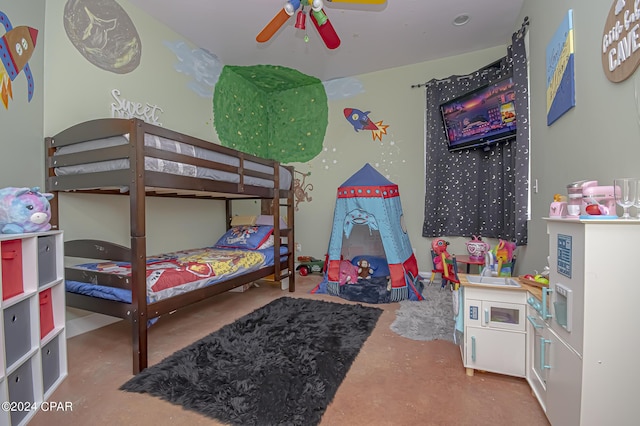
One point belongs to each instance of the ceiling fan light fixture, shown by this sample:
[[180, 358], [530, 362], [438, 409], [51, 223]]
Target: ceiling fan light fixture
[[461, 19], [291, 6], [301, 19], [321, 18]]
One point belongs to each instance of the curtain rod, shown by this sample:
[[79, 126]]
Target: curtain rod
[[483, 70]]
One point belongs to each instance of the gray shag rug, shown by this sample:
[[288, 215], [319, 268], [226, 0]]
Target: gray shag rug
[[279, 365], [429, 319]]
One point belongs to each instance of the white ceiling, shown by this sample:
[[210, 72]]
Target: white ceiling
[[373, 38]]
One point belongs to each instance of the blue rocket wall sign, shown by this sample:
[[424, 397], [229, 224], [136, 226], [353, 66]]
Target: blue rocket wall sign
[[16, 48], [361, 121]]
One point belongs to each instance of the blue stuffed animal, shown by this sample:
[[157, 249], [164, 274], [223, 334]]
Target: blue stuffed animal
[[24, 210]]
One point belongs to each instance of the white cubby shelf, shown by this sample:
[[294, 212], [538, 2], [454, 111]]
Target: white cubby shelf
[[33, 350]]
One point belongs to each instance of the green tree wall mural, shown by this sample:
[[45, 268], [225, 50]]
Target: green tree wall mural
[[270, 111]]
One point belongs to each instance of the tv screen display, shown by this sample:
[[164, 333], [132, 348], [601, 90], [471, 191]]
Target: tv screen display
[[481, 117]]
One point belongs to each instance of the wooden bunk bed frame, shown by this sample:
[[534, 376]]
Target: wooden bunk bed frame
[[142, 183]]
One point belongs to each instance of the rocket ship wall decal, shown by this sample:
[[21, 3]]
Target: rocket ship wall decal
[[16, 48], [360, 121]]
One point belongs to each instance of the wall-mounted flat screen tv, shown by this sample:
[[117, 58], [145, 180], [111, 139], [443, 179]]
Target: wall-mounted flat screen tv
[[482, 117]]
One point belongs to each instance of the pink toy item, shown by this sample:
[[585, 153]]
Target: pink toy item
[[439, 246], [477, 248], [348, 273], [24, 210]]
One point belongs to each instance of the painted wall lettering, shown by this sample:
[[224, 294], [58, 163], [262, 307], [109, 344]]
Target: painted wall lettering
[[123, 108]]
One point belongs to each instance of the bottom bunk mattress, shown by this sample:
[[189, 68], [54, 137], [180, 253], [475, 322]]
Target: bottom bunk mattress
[[178, 272]]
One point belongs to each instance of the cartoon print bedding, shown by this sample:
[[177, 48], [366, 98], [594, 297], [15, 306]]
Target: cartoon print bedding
[[178, 272]]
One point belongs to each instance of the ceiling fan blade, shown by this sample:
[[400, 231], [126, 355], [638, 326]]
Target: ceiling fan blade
[[358, 1], [327, 32], [273, 26]]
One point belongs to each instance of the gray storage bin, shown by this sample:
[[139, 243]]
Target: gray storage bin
[[17, 330], [46, 259], [20, 385], [50, 363]]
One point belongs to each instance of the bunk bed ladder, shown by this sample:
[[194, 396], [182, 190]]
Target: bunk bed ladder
[[291, 244]]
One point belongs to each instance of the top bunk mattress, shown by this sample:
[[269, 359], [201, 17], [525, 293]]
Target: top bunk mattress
[[172, 167]]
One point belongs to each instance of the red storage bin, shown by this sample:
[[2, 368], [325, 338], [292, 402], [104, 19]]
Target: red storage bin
[[11, 268], [46, 313]]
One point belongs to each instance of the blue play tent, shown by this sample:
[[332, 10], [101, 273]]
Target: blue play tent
[[368, 222]]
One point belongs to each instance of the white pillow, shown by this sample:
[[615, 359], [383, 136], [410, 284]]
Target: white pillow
[[267, 244]]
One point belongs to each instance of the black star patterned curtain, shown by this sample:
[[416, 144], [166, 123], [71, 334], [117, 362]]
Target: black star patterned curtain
[[476, 192]]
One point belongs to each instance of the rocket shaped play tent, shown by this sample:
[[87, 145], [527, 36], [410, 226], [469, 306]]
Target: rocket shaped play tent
[[368, 221]]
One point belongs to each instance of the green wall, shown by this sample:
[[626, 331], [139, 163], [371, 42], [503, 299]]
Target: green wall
[[388, 95], [22, 159], [598, 139], [77, 90], [399, 155]]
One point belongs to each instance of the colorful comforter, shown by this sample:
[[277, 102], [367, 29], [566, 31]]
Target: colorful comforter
[[178, 272]]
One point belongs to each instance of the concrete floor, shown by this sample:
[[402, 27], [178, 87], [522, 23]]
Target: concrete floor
[[393, 381]]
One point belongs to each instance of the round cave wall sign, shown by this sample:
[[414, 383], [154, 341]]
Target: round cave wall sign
[[621, 40]]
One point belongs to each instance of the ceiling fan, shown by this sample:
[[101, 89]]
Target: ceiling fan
[[315, 9]]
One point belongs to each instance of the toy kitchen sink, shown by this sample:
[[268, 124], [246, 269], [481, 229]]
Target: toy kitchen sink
[[493, 281]]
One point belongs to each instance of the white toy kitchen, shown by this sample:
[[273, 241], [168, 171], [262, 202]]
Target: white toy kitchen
[[575, 341]]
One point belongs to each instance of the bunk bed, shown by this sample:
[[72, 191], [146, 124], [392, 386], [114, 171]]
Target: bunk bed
[[132, 158]]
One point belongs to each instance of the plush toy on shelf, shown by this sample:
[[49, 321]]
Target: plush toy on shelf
[[24, 210]]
